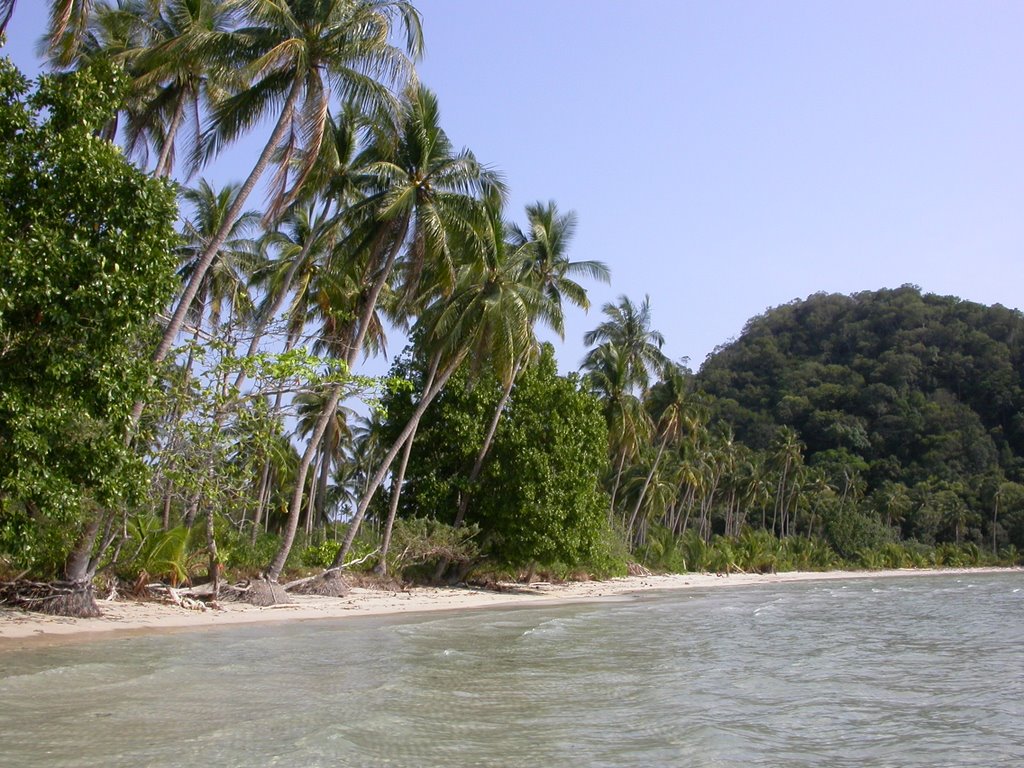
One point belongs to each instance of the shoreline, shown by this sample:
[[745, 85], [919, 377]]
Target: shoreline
[[20, 630]]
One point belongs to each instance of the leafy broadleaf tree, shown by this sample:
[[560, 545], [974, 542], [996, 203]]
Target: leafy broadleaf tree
[[88, 244]]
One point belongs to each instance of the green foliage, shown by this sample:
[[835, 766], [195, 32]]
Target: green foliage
[[163, 555], [539, 499], [319, 555], [243, 557], [850, 532], [892, 389], [87, 261]]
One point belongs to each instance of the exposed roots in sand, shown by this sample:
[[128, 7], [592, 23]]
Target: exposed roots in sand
[[635, 569], [56, 598], [327, 584], [259, 592]]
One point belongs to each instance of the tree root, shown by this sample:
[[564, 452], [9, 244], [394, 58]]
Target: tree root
[[635, 569], [56, 598], [328, 584], [259, 592]]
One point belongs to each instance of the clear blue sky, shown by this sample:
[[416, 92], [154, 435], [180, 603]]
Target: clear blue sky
[[725, 157]]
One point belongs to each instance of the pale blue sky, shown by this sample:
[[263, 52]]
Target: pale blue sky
[[726, 156]]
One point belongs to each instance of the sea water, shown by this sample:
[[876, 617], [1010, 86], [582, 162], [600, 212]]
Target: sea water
[[920, 671]]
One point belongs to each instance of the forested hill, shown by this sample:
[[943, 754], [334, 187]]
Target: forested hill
[[892, 385]]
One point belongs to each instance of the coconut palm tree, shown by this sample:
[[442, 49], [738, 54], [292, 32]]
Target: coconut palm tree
[[68, 19], [224, 288], [628, 328], [294, 55], [424, 196], [175, 70], [545, 247], [487, 317], [608, 375]]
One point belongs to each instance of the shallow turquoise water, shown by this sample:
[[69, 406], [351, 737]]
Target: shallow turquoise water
[[924, 671]]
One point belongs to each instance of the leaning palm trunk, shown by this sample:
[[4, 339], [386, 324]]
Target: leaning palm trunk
[[178, 318], [273, 572], [381, 569], [164, 163], [428, 396], [643, 490]]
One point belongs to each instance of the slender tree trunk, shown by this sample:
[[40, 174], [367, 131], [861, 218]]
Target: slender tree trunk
[[211, 548], [381, 569], [163, 164], [262, 498], [326, 455], [647, 484], [615, 486], [364, 503], [165, 521], [492, 429], [277, 564], [208, 255]]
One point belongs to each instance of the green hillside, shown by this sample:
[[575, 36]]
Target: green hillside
[[890, 386]]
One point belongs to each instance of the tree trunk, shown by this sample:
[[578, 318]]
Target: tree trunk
[[273, 571], [178, 318], [163, 165], [428, 396], [492, 429], [381, 569], [326, 459], [643, 491]]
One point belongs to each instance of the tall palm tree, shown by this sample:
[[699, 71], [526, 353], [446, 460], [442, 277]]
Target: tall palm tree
[[608, 374], [549, 234], [545, 246], [175, 70], [487, 317], [294, 54], [224, 287], [628, 328], [673, 411], [424, 196]]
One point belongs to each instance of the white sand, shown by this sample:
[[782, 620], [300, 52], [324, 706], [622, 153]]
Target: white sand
[[20, 629]]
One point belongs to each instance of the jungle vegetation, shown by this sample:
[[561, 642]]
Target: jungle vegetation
[[183, 394]]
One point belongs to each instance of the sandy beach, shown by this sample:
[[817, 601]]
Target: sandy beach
[[19, 629]]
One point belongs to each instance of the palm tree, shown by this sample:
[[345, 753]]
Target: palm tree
[[788, 458], [295, 54], [544, 247], [608, 375], [549, 235], [225, 285], [628, 328], [673, 410], [487, 317], [175, 70], [424, 196], [68, 19]]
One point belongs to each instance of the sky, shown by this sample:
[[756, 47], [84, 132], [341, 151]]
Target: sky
[[726, 157]]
